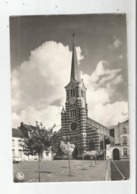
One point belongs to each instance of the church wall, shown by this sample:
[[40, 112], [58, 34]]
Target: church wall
[[76, 112], [92, 134]]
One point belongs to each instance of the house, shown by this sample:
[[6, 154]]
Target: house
[[120, 149], [18, 136]]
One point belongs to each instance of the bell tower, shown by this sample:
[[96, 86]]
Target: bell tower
[[74, 115]]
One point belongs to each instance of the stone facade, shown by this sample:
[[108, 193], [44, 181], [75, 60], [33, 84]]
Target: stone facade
[[120, 150]]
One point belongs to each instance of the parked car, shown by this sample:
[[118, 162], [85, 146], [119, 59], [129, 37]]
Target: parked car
[[17, 159]]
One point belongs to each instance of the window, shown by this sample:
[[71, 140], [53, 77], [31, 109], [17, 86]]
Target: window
[[124, 140], [13, 142], [72, 92], [72, 113], [13, 152], [73, 126], [125, 151], [124, 130], [91, 145], [112, 132], [19, 142], [20, 153]]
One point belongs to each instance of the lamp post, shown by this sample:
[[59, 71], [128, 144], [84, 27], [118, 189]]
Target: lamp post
[[103, 144], [104, 147], [99, 143], [84, 152]]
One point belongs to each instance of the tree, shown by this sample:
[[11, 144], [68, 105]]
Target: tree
[[68, 149], [38, 140]]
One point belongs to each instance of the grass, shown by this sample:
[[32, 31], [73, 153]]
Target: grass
[[57, 170]]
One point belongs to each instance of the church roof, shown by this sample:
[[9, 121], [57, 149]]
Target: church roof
[[74, 64], [95, 123]]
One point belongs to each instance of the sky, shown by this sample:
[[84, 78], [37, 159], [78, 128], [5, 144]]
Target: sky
[[41, 51]]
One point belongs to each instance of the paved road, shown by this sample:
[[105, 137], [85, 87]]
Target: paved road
[[57, 171]]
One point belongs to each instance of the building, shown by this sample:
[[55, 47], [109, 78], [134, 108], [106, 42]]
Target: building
[[120, 149], [17, 150], [76, 126], [18, 135]]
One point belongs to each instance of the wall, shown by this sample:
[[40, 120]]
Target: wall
[[17, 150]]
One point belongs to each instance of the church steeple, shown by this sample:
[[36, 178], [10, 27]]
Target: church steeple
[[74, 64]]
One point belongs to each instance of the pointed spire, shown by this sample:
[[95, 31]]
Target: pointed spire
[[63, 110], [74, 63]]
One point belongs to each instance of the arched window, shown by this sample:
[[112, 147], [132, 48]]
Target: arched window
[[73, 113], [91, 144], [124, 130], [71, 92]]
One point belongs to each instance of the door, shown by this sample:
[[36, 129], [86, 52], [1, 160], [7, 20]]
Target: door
[[116, 154]]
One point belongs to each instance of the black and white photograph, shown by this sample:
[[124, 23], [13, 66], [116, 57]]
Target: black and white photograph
[[69, 98]]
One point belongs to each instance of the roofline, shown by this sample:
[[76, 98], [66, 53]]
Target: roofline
[[98, 123]]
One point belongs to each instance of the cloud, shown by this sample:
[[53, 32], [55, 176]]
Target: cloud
[[38, 88], [101, 87], [102, 75], [116, 43], [48, 116], [110, 114], [38, 84]]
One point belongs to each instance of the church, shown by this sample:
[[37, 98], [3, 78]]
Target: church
[[78, 129], [76, 126]]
